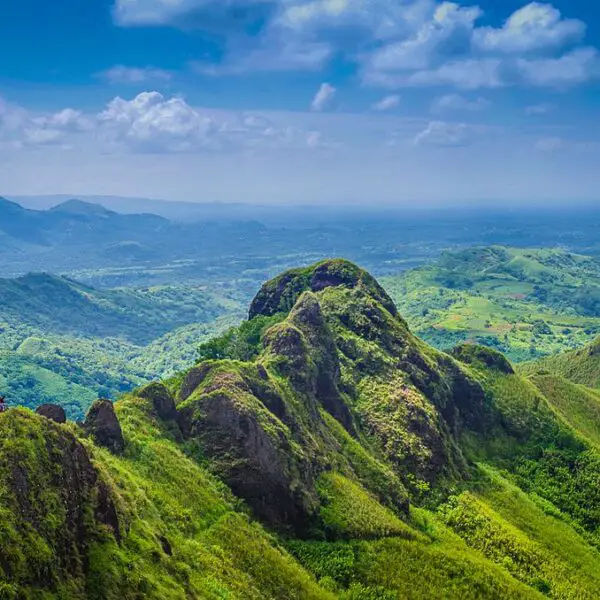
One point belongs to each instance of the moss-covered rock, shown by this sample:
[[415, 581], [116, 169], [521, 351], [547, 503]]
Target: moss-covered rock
[[482, 355], [162, 401], [102, 425], [251, 447], [55, 505], [280, 294], [54, 412]]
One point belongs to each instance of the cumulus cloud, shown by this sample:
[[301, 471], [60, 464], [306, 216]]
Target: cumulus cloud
[[386, 103], [55, 128], [440, 133], [132, 75], [456, 102], [323, 98], [152, 123], [536, 26], [450, 48], [394, 43]]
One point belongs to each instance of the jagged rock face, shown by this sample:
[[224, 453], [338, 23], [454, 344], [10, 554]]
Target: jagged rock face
[[281, 293], [251, 447], [162, 400], [308, 317], [56, 497], [53, 412], [102, 425]]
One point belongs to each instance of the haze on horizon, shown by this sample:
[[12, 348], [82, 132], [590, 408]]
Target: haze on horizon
[[301, 101]]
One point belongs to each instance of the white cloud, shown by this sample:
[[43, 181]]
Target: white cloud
[[439, 133], [54, 128], [470, 74], [386, 103], [394, 43], [270, 56], [152, 123], [576, 67], [449, 49], [133, 75], [447, 32], [180, 13], [323, 98], [456, 102], [536, 26]]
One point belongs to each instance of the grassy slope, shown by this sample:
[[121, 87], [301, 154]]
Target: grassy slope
[[526, 303], [580, 366]]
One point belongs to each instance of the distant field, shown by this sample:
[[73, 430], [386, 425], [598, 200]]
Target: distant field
[[526, 303]]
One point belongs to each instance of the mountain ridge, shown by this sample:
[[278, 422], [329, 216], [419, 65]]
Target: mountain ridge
[[323, 451]]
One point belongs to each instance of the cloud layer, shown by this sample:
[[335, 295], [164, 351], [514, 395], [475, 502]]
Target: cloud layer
[[392, 43]]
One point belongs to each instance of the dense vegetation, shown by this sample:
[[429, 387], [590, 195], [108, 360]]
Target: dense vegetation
[[61, 341], [318, 451], [525, 303]]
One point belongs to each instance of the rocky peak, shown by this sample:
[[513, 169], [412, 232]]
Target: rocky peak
[[280, 294]]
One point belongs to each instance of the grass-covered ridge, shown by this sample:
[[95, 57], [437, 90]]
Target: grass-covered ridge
[[320, 450]]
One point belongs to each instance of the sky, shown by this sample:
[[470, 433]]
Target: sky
[[301, 101]]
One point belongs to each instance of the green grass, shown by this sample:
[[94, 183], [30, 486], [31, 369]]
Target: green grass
[[525, 303]]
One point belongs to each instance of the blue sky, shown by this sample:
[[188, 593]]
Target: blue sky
[[320, 101]]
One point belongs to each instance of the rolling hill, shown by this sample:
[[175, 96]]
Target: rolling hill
[[341, 458], [62, 341], [524, 302]]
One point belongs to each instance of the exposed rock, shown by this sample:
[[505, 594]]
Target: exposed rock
[[308, 317], [280, 294], [252, 451], [102, 425], [193, 379], [162, 400], [60, 500], [54, 412]]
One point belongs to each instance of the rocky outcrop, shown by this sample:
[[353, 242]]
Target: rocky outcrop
[[308, 317], [102, 425], [251, 448], [280, 294], [162, 400], [53, 412]]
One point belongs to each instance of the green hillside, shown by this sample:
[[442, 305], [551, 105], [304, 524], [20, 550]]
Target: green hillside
[[580, 366], [525, 303], [62, 306], [319, 451], [61, 341]]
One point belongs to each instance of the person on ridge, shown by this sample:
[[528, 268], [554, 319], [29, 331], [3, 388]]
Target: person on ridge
[[3, 406]]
